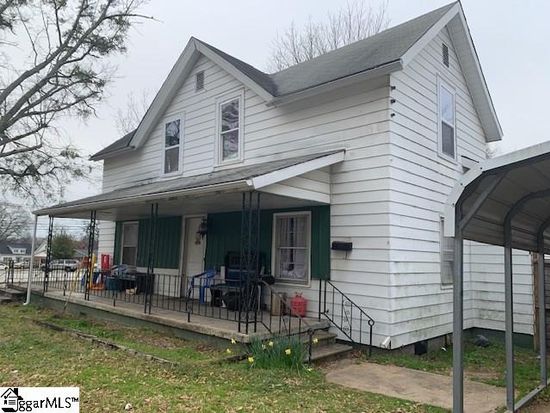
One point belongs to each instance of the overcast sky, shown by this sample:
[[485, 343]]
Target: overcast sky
[[510, 36]]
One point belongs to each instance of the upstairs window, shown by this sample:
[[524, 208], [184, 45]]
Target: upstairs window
[[291, 247], [447, 132], [230, 129], [172, 146]]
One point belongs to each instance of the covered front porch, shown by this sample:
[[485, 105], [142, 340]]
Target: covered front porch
[[215, 253]]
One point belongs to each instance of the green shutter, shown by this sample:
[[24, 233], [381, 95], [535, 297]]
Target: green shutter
[[168, 249]]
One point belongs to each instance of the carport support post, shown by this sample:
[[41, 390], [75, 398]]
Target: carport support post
[[509, 307], [542, 313], [458, 323]]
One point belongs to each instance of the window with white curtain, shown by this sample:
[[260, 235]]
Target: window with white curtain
[[129, 243], [172, 146], [291, 247], [447, 256], [230, 133]]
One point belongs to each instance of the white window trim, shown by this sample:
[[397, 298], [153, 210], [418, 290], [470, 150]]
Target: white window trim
[[122, 240], [448, 53], [274, 247], [168, 119], [444, 285], [218, 144], [442, 84]]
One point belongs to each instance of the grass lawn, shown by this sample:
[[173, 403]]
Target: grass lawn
[[32, 355], [486, 365]]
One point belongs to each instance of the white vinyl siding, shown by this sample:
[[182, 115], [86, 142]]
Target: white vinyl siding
[[421, 181]]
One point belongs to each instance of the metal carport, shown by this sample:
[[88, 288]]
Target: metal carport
[[504, 201]]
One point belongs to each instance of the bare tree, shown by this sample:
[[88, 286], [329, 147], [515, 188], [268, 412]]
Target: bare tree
[[353, 22], [14, 222], [128, 119], [53, 56]]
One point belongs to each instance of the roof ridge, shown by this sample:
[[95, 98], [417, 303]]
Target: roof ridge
[[383, 32]]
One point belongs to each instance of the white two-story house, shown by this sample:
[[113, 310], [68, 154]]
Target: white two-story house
[[334, 169]]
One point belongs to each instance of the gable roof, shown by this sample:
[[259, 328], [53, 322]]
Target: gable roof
[[382, 53], [6, 247]]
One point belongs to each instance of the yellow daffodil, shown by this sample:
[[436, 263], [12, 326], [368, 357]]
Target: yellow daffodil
[[288, 352], [263, 347], [233, 341], [270, 344], [251, 360], [228, 351], [309, 369], [315, 340]]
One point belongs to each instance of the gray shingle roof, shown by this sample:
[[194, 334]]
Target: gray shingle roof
[[378, 50], [191, 182]]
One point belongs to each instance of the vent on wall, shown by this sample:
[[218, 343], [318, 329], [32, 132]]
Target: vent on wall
[[445, 51], [199, 81]]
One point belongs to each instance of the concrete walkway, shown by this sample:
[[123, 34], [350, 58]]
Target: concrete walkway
[[417, 386]]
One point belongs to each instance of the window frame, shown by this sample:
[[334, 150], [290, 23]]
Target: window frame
[[238, 95], [446, 282], [441, 84], [197, 74], [167, 120], [286, 281], [136, 223], [445, 47]]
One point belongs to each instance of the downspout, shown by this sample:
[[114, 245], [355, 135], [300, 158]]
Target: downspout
[[31, 265]]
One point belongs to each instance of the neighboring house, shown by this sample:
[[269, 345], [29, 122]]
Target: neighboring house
[[15, 251], [361, 145]]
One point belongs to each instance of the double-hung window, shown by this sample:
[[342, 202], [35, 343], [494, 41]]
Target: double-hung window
[[447, 252], [291, 247], [446, 115], [172, 146], [129, 243], [230, 129]]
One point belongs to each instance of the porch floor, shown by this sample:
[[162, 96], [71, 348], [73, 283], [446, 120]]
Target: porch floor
[[199, 324]]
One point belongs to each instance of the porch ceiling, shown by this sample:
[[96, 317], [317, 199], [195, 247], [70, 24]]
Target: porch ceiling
[[218, 191]]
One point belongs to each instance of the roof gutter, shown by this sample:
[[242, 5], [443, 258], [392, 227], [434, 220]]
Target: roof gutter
[[375, 72], [88, 206]]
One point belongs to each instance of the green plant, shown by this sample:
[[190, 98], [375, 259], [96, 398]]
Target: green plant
[[282, 352]]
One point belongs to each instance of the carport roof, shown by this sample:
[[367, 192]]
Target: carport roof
[[515, 186]]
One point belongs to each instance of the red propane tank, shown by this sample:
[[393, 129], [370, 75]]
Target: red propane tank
[[298, 305]]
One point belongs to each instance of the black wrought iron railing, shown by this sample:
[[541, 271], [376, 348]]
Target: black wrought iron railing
[[282, 321], [345, 314]]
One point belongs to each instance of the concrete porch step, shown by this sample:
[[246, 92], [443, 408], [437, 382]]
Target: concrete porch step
[[330, 352], [8, 295]]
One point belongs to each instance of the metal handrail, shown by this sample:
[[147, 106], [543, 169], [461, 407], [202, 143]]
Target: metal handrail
[[302, 322], [344, 298]]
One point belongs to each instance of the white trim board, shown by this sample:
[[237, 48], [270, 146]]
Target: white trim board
[[295, 170]]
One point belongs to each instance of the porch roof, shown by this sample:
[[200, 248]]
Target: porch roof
[[239, 179]]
